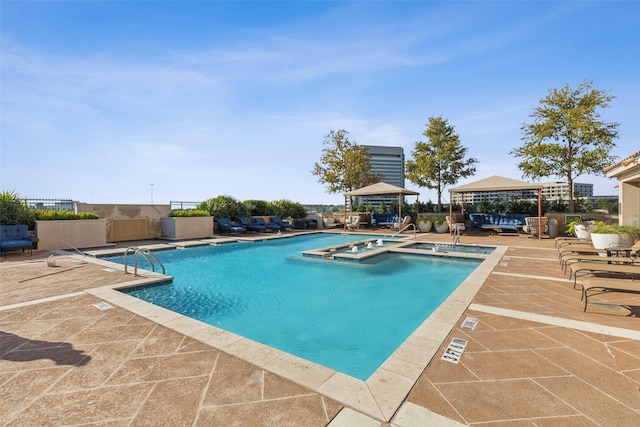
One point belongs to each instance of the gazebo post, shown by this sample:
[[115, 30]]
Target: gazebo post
[[450, 212], [344, 223], [539, 214]]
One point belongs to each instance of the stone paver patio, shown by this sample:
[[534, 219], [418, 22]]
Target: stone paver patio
[[534, 359]]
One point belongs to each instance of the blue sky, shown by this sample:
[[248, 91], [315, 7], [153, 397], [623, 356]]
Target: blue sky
[[122, 101]]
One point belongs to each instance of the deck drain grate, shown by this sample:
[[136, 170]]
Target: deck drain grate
[[454, 350], [470, 323], [102, 305]]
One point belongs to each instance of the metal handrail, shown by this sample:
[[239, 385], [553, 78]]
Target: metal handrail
[[145, 253], [404, 228]]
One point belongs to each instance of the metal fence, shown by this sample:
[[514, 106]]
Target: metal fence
[[184, 205], [52, 204]]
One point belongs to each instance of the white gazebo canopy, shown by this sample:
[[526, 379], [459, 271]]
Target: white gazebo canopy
[[380, 189]]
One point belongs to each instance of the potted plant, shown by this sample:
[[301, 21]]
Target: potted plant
[[580, 228], [424, 224], [440, 223], [60, 229], [187, 224], [611, 235]]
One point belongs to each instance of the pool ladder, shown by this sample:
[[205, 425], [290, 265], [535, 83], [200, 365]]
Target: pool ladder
[[455, 240], [144, 253]]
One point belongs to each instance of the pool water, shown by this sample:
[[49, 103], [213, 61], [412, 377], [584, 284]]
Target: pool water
[[446, 247], [349, 317]]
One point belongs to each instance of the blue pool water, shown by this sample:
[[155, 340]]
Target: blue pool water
[[467, 249], [347, 316]]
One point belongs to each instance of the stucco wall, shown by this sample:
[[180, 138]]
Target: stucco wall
[[129, 222]]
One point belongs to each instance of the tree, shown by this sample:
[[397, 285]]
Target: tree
[[568, 138], [440, 161], [344, 165]]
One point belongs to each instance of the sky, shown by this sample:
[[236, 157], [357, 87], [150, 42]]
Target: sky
[[135, 102]]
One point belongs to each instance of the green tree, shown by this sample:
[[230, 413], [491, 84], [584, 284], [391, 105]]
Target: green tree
[[568, 138], [344, 165], [441, 160]]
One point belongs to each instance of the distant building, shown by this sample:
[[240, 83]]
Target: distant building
[[388, 162], [550, 191]]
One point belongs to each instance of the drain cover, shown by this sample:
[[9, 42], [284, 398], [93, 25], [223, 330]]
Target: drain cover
[[102, 305], [454, 350], [470, 323]]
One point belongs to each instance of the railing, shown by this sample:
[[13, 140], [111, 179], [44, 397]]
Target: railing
[[455, 240], [183, 205], [410, 225], [51, 204], [146, 254]]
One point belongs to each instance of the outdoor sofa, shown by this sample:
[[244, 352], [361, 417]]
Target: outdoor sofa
[[498, 222], [14, 237]]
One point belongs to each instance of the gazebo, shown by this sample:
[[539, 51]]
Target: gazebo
[[495, 184], [381, 189]]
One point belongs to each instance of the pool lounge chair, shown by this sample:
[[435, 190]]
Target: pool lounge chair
[[581, 268], [246, 223], [599, 285], [226, 226], [283, 223], [268, 225], [573, 258]]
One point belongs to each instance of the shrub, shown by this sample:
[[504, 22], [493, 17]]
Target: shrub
[[225, 207], [287, 209], [51, 214], [258, 207], [189, 213], [15, 210]]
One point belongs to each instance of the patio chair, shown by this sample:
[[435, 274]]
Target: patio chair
[[353, 222], [531, 225], [405, 221], [226, 226], [246, 222]]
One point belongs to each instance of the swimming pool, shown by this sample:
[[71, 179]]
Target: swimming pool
[[348, 317]]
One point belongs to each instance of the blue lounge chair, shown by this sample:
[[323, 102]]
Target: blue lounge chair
[[226, 226], [283, 223], [270, 225], [246, 223]]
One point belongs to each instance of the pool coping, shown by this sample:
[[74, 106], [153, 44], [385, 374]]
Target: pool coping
[[379, 397]]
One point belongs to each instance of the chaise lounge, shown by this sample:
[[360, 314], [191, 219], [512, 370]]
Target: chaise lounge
[[599, 285], [226, 226], [246, 223]]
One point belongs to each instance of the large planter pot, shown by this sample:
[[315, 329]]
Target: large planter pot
[[442, 228], [83, 233], [604, 241], [197, 227], [582, 231], [425, 226]]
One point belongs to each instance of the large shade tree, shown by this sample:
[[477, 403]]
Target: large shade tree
[[568, 137], [344, 165], [439, 161]]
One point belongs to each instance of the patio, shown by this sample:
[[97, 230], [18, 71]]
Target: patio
[[534, 359]]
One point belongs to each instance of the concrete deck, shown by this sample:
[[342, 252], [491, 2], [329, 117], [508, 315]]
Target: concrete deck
[[534, 358]]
